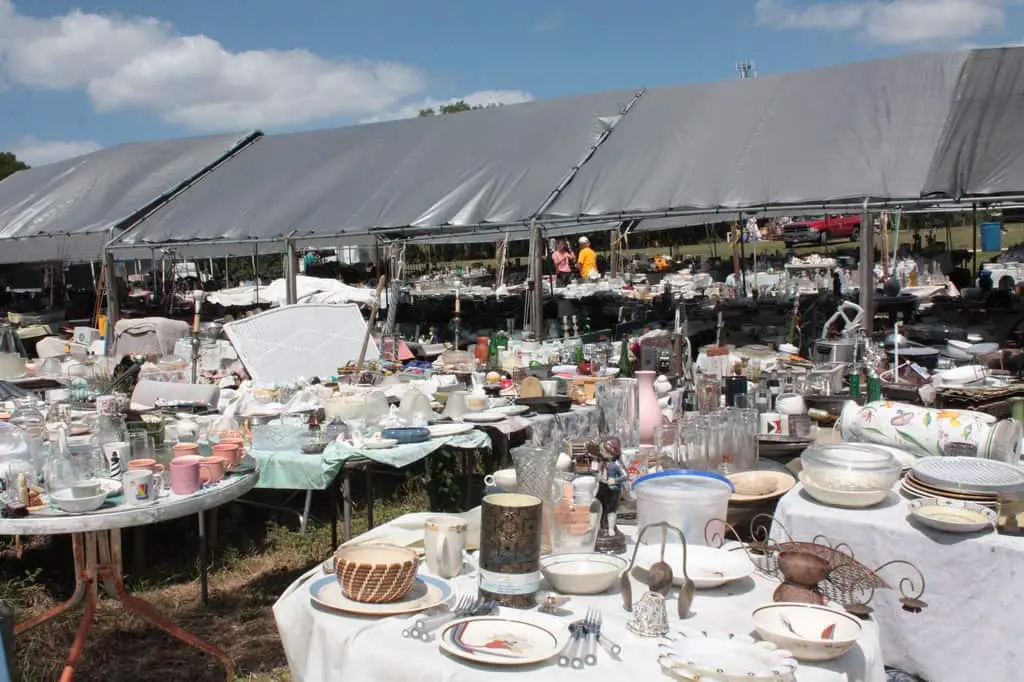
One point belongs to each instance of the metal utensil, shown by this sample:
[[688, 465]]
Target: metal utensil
[[570, 654], [611, 647], [427, 623], [591, 623], [626, 588], [660, 573]]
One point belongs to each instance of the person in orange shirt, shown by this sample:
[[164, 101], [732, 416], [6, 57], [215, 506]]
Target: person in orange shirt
[[586, 259]]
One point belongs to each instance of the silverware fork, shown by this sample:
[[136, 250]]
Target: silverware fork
[[608, 645], [424, 625]]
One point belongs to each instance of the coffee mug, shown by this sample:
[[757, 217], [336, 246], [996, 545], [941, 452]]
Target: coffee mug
[[142, 486], [211, 469], [142, 463], [503, 478], [185, 475], [118, 455], [773, 424], [445, 540], [230, 452]]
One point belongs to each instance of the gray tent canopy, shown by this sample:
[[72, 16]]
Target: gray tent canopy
[[493, 166], [67, 210]]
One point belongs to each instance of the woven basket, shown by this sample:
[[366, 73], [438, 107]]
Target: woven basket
[[375, 574]]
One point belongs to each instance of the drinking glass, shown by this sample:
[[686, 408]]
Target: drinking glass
[[619, 401], [666, 445], [535, 471]]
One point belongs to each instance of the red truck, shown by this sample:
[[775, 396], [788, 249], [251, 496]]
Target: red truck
[[821, 230]]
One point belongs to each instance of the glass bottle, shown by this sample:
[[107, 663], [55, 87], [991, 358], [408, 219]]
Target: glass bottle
[[60, 471], [493, 362], [626, 370], [27, 417]]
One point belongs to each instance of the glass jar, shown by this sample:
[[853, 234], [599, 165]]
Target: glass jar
[[30, 420]]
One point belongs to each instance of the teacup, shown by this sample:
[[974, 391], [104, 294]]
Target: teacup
[[504, 479], [211, 469], [86, 489]]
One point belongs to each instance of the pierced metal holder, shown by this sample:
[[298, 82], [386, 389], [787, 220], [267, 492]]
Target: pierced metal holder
[[849, 583]]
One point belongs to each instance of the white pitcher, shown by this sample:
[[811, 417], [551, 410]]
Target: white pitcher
[[445, 540]]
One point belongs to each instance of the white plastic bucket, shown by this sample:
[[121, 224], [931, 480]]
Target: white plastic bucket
[[690, 501]]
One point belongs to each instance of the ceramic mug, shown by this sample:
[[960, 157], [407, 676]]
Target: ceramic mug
[[142, 463], [185, 478], [118, 455], [503, 478], [230, 452], [186, 449], [445, 541], [142, 486], [773, 424], [211, 469]]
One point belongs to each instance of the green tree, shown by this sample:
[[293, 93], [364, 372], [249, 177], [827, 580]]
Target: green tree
[[9, 164], [455, 107]]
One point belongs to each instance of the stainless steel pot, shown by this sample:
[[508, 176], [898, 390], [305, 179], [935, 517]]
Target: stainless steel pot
[[836, 350]]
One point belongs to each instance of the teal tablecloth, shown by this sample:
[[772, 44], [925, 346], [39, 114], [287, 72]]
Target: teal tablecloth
[[293, 470]]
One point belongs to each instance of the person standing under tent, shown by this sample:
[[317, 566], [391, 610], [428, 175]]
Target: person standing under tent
[[563, 258], [587, 260]]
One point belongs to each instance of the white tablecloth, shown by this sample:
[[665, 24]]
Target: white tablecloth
[[329, 647], [975, 602]]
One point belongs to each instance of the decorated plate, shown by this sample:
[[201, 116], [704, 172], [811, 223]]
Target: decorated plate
[[952, 516], [445, 430], [427, 591], [501, 641], [726, 658]]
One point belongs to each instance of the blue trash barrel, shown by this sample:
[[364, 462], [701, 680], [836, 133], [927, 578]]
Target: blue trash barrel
[[991, 236]]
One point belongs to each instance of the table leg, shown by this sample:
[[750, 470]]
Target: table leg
[[204, 590], [304, 521], [346, 503], [98, 563], [332, 502], [369, 497]]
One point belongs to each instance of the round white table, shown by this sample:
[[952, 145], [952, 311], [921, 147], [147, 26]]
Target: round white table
[[96, 541]]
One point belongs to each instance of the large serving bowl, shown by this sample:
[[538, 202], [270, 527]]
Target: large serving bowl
[[375, 574], [78, 499], [809, 623], [848, 474], [582, 573]]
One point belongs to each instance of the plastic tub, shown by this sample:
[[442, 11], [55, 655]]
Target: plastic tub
[[689, 500]]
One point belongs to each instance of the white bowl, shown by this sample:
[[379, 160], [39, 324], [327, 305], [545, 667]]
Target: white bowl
[[851, 499], [952, 516], [68, 501], [707, 567], [582, 573], [809, 621]]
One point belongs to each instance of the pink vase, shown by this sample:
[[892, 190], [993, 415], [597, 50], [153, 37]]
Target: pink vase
[[650, 412]]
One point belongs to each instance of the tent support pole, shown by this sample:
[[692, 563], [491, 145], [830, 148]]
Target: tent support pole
[[538, 283], [867, 272], [113, 299], [974, 237], [290, 272]]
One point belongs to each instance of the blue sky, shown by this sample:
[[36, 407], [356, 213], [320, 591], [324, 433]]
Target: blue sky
[[77, 76]]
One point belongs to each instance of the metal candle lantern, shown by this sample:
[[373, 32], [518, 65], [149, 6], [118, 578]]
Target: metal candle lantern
[[510, 541]]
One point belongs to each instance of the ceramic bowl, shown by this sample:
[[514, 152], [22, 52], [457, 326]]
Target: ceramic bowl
[[375, 573], [952, 516], [809, 623], [582, 573], [852, 499], [67, 500]]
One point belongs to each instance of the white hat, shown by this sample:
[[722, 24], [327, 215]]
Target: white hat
[[584, 240]]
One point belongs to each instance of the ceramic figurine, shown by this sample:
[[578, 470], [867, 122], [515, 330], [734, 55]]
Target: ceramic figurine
[[611, 477]]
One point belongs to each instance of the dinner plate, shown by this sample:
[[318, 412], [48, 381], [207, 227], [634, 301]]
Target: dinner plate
[[707, 567], [445, 430], [940, 491], [510, 410], [495, 640], [969, 474], [913, 492], [489, 417], [700, 655], [952, 516], [426, 592], [760, 486], [379, 444]]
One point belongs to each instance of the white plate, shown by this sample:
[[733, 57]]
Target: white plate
[[708, 567], [379, 444], [427, 591], [445, 430], [952, 516], [511, 410], [489, 417], [501, 641], [969, 474], [727, 658]]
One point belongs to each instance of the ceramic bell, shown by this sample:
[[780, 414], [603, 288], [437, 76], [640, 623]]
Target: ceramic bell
[[649, 617]]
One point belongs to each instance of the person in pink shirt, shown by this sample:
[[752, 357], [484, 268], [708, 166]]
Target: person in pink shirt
[[563, 259]]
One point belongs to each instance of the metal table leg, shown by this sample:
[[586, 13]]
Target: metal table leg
[[204, 591], [346, 502], [98, 564], [304, 519]]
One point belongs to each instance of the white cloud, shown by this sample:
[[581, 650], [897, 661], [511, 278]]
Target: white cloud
[[192, 80], [36, 152], [473, 99], [890, 22]]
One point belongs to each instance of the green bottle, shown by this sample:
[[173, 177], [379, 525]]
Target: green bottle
[[493, 361], [625, 361]]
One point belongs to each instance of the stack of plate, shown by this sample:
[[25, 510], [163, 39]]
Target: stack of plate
[[962, 478]]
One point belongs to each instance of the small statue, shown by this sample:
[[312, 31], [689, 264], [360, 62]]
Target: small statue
[[611, 476]]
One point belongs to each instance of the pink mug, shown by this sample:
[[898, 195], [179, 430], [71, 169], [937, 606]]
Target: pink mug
[[211, 469], [185, 478], [186, 449], [231, 452]]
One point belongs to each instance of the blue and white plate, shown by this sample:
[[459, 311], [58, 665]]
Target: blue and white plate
[[426, 592]]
